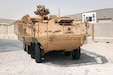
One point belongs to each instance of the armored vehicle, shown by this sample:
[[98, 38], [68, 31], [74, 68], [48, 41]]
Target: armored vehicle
[[42, 33]]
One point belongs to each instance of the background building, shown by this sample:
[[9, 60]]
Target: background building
[[7, 29], [102, 15], [104, 22]]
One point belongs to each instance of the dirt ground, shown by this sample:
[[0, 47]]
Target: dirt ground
[[96, 59]]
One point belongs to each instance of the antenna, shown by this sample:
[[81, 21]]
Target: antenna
[[59, 12]]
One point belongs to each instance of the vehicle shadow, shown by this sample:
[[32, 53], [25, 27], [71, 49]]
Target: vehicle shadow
[[87, 58]]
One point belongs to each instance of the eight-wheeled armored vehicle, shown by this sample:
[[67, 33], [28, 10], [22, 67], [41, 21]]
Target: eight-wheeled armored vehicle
[[42, 33]]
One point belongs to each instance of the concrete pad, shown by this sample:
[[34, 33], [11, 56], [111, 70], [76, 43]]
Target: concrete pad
[[96, 59], [10, 45]]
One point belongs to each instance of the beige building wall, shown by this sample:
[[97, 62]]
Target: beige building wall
[[7, 32], [2, 29], [11, 29], [105, 21]]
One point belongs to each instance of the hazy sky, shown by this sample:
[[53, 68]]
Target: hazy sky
[[15, 9]]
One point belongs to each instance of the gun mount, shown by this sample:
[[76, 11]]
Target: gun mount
[[41, 10]]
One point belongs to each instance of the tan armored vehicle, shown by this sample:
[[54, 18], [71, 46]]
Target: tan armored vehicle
[[42, 34]]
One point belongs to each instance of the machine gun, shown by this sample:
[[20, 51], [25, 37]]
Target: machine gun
[[42, 11]]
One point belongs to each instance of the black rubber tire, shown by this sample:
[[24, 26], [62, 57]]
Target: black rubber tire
[[24, 46], [76, 54], [29, 49], [25, 49], [38, 54], [67, 53], [33, 50]]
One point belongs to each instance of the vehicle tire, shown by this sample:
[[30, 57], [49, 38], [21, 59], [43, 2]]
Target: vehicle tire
[[76, 53], [29, 49], [33, 50], [24, 46], [67, 53], [37, 54], [25, 49]]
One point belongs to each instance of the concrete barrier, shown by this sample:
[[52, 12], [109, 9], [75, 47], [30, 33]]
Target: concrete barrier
[[8, 36], [100, 40]]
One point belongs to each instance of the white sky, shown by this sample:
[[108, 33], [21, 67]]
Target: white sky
[[15, 9]]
